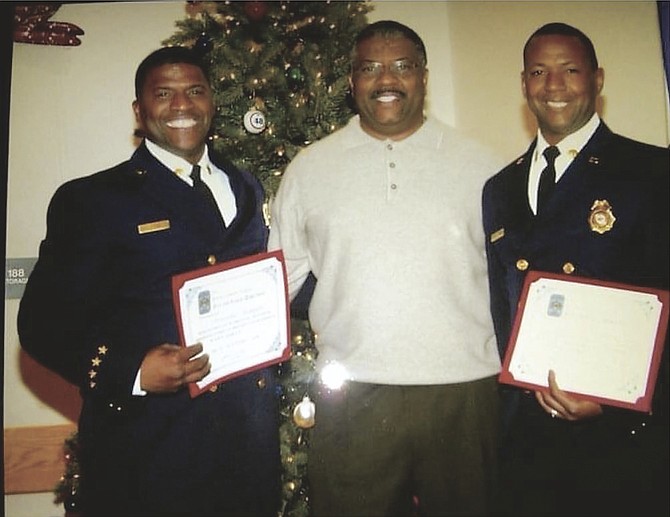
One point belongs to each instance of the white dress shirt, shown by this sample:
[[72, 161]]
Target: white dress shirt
[[569, 147]]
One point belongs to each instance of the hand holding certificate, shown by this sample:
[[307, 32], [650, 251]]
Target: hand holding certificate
[[604, 340], [238, 310]]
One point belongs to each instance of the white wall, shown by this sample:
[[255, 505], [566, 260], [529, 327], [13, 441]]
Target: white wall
[[71, 115]]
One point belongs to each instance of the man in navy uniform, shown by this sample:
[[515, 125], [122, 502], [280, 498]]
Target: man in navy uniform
[[605, 216], [98, 310]]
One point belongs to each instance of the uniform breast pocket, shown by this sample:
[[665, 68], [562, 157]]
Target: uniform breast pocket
[[151, 252], [506, 244]]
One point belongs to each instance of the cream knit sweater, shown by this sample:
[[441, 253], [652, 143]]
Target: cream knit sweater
[[393, 232]]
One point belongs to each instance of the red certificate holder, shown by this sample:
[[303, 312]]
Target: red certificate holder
[[604, 340], [239, 311]]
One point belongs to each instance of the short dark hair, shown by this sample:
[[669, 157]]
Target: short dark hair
[[389, 28], [563, 29], [166, 56]]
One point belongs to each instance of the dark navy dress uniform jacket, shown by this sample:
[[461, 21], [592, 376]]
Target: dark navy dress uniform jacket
[[633, 178], [100, 297]]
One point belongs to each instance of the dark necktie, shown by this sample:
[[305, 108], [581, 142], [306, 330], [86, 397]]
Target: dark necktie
[[547, 178], [201, 188]]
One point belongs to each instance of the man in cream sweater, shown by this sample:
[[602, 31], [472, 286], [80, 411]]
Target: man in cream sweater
[[386, 214]]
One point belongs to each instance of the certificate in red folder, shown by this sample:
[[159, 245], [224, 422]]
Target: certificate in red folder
[[239, 311], [603, 340]]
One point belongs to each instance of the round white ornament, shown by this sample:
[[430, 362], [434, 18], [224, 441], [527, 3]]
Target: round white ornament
[[254, 121]]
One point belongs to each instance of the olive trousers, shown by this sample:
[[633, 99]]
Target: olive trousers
[[393, 450]]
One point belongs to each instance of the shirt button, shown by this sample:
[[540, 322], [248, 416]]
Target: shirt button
[[522, 264], [394, 186], [261, 383], [392, 165], [390, 147], [211, 260], [568, 268]]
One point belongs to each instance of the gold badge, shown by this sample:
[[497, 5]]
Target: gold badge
[[601, 218], [267, 212]]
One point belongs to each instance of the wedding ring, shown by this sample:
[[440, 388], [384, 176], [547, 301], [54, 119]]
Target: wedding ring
[[554, 413]]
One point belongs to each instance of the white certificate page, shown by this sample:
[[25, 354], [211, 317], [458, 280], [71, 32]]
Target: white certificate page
[[598, 340], [239, 315]]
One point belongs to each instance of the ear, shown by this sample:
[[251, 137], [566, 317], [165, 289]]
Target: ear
[[600, 79], [523, 84], [137, 110], [351, 84]]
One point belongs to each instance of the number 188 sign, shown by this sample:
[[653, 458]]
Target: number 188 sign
[[17, 271]]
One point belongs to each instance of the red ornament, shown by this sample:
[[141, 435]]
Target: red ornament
[[32, 25], [255, 11], [193, 8]]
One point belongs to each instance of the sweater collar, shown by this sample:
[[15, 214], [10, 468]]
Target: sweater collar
[[425, 136]]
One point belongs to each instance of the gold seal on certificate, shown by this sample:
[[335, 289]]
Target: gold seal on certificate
[[601, 218]]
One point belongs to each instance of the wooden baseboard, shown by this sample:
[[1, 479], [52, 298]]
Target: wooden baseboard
[[34, 457]]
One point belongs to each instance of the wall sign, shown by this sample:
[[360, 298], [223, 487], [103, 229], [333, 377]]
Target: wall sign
[[17, 271]]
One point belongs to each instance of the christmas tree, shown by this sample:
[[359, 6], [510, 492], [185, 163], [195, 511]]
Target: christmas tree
[[279, 71]]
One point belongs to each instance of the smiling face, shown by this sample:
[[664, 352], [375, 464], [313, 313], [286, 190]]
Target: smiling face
[[388, 83], [560, 85], [175, 109]]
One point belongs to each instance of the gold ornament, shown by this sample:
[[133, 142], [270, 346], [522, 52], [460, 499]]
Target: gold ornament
[[304, 413]]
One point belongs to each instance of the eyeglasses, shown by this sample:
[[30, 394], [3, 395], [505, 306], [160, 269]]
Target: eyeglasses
[[399, 68]]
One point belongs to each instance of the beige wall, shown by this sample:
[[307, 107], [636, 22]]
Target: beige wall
[[488, 89], [474, 58], [71, 115]]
